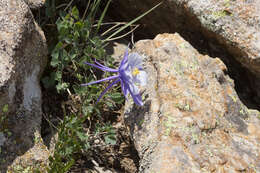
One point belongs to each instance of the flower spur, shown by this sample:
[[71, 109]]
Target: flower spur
[[130, 74]]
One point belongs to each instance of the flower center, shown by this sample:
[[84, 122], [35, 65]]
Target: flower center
[[135, 72]]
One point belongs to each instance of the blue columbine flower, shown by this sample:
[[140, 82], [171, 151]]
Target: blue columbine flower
[[130, 73]]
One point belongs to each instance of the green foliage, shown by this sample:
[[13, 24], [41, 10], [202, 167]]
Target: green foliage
[[78, 42], [72, 139], [109, 133], [5, 108], [75, 39]]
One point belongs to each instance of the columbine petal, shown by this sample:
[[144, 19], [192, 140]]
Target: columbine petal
[[125, 59], [103, 68], [109, 86], [137, 98], [135, 61], [133, 88], [110, 69], [130, 72], [98, 81], [124, 88], [141, 78]]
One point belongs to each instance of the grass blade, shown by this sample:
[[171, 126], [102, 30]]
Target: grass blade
[[131, 22], [102, 16]]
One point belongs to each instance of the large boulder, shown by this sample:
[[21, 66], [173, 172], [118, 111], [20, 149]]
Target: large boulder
[[192, 119], [23, 57], [35, 4], [231, 25]]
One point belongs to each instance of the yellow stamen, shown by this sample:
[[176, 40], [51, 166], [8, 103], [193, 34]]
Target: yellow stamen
[[135, 72]]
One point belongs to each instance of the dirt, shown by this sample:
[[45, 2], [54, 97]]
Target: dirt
[[121, 157]]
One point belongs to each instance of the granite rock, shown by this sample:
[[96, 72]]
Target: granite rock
[[23, 56], [35, 4], [233, 26], [192, 119]]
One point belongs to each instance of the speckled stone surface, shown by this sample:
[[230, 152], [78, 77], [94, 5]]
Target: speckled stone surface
[[23, 57], [35, 4], [192, 119], [233, 25]]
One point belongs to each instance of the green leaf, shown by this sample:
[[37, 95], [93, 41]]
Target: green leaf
[[62, 86], [69, 165], [75, 12], [78, 25], [109, 104], [5, 108], [55, 54], [55, 62], [86, 146], [82, 136], [68, 150], [58, 76], [88, 109], [117, 97], [110, 139]]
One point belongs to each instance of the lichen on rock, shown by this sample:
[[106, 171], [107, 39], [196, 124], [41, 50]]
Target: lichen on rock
[[192, 118], [23, 56]]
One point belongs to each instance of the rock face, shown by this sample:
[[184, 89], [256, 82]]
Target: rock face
[[192, 119], [35, 4], [23, 57], [235, 25]]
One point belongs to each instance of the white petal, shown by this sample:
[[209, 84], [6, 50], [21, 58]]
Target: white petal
[[141, 78], [134, 89], [135, 60]]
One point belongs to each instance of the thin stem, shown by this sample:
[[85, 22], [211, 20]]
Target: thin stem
[[85, 12], [113, 27], [121, 36], [69, 4]]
